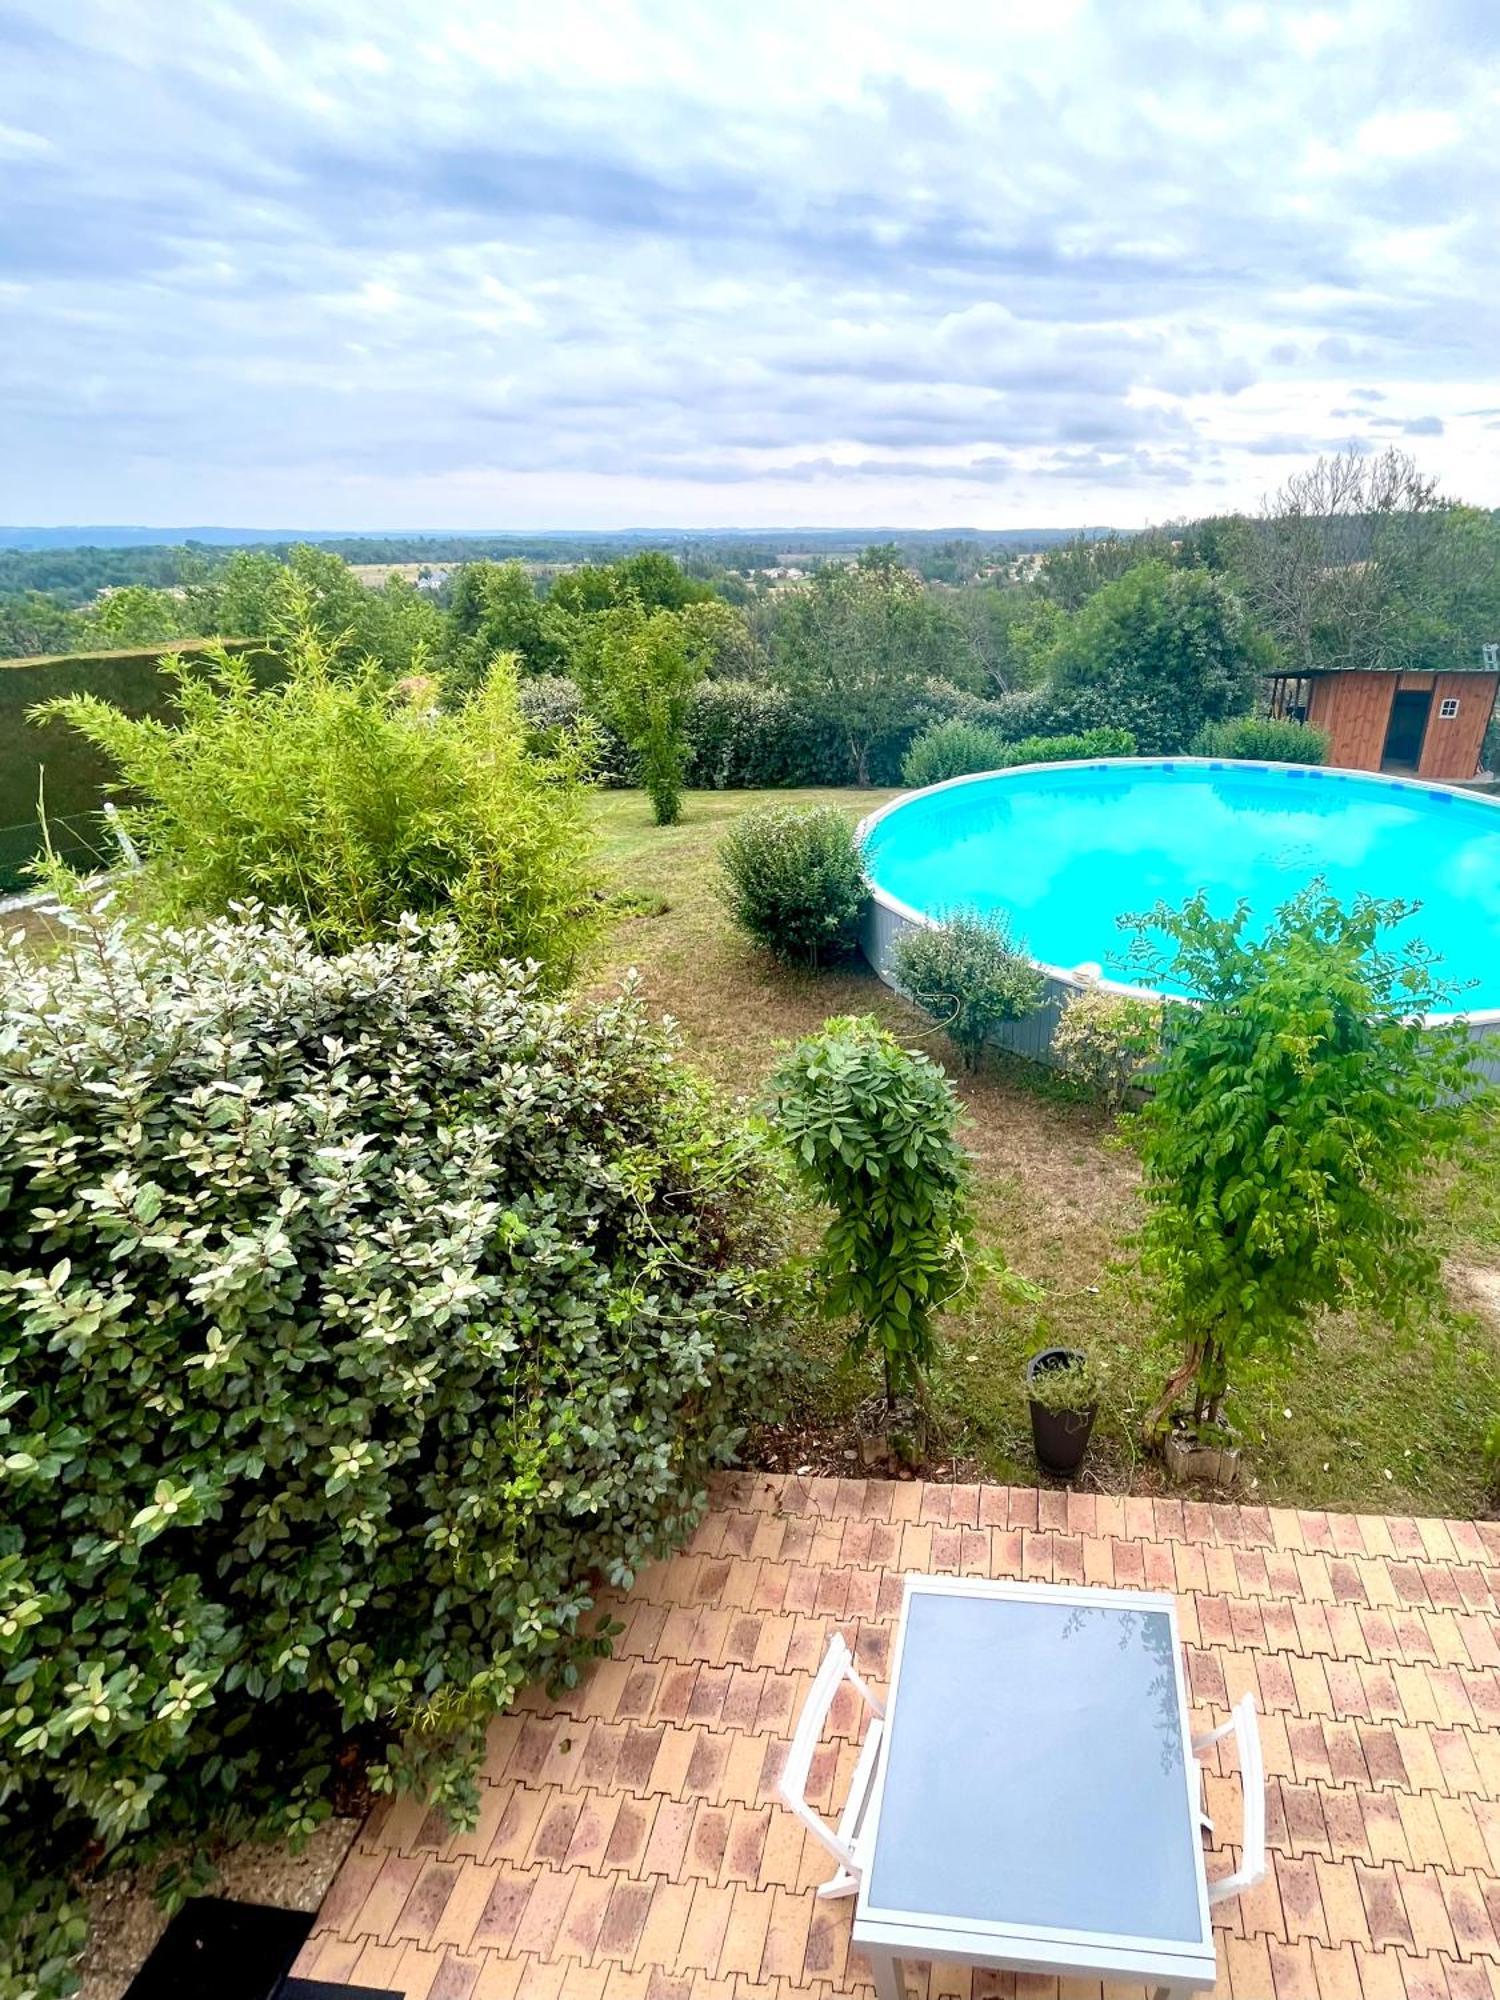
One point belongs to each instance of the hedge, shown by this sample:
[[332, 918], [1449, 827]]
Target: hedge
[[746, 735], [76, 777], [962, 749], [1262, 739]]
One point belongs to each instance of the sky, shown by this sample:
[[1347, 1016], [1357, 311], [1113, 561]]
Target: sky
[[367, 264]]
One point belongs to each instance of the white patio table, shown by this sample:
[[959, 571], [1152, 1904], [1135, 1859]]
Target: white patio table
[[1034, 1803]]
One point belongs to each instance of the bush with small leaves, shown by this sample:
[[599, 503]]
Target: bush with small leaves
[[793, 879], [1261, 739], [953, 749], [1108, 1041], [359, 1316], [872, 1131], [1294, 1121], [969, 974]]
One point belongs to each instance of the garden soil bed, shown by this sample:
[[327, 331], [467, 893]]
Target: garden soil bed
[[125, 1919]]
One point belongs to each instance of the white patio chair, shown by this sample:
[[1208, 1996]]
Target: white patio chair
[[1245, 1729], [842, 1840]]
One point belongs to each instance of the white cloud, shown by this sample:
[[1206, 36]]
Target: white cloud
[[1406, 135]]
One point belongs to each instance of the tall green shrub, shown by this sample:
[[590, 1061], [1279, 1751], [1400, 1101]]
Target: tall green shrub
[[1294, 1114], [871, 1128], [638, 669], [334, 796], [358, 1316], [793, 879]]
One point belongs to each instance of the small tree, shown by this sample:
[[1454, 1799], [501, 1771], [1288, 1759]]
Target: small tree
[[871, 1128], [255, 595], [495, 609], [136, 615], [639, 669], [971, 975], [1294, 1113]]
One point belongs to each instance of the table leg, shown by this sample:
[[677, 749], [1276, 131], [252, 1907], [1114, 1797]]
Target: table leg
[[889, 1975]]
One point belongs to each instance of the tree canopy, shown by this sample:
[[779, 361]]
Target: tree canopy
[[856, 645], [1359, 563], [1159, 652]]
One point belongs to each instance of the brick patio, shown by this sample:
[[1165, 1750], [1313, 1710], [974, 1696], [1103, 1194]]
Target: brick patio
[[629, 1843]]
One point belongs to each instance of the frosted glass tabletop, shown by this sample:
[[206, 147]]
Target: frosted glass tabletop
[[1035, 1769]]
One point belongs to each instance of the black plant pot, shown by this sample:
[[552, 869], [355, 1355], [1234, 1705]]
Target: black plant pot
[[1061, 1437]]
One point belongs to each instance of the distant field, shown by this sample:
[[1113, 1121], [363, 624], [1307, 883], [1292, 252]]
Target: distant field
[[373, 575]]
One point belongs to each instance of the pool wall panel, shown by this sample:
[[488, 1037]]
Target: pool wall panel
[[1032, 1038], [884, 925]]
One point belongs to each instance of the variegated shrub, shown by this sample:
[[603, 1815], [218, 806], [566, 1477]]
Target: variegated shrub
[[359, 1316]]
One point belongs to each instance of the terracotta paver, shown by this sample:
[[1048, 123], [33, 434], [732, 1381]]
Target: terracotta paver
[[629, 1841]]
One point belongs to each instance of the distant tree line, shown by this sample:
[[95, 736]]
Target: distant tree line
[[687, 671]]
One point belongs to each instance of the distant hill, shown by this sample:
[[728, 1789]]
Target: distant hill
[[450, 544]]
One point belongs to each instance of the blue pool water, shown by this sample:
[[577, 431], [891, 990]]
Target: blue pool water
[[1065, 851]]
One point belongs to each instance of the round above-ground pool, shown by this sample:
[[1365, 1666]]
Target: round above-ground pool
[[1064, 850]]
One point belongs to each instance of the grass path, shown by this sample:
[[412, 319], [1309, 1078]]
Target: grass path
[[1365, 1418]]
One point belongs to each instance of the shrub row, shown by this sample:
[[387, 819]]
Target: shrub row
[[748, 735], [1263, 739], [960, 749]]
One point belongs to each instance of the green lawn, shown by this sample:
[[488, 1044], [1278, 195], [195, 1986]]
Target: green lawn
[[1364, 1418]]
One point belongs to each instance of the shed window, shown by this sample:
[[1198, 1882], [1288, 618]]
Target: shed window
[[1447, 708]]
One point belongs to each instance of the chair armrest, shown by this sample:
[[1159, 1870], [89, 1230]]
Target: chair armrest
[[792, 1784], [1245, 1729]]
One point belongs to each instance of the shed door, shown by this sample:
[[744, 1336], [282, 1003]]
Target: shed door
[[1408, 726]]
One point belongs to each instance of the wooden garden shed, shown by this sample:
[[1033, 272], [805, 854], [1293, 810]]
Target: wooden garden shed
[[1416, 725]]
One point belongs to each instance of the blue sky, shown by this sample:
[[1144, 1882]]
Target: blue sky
[[1022, 262]]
